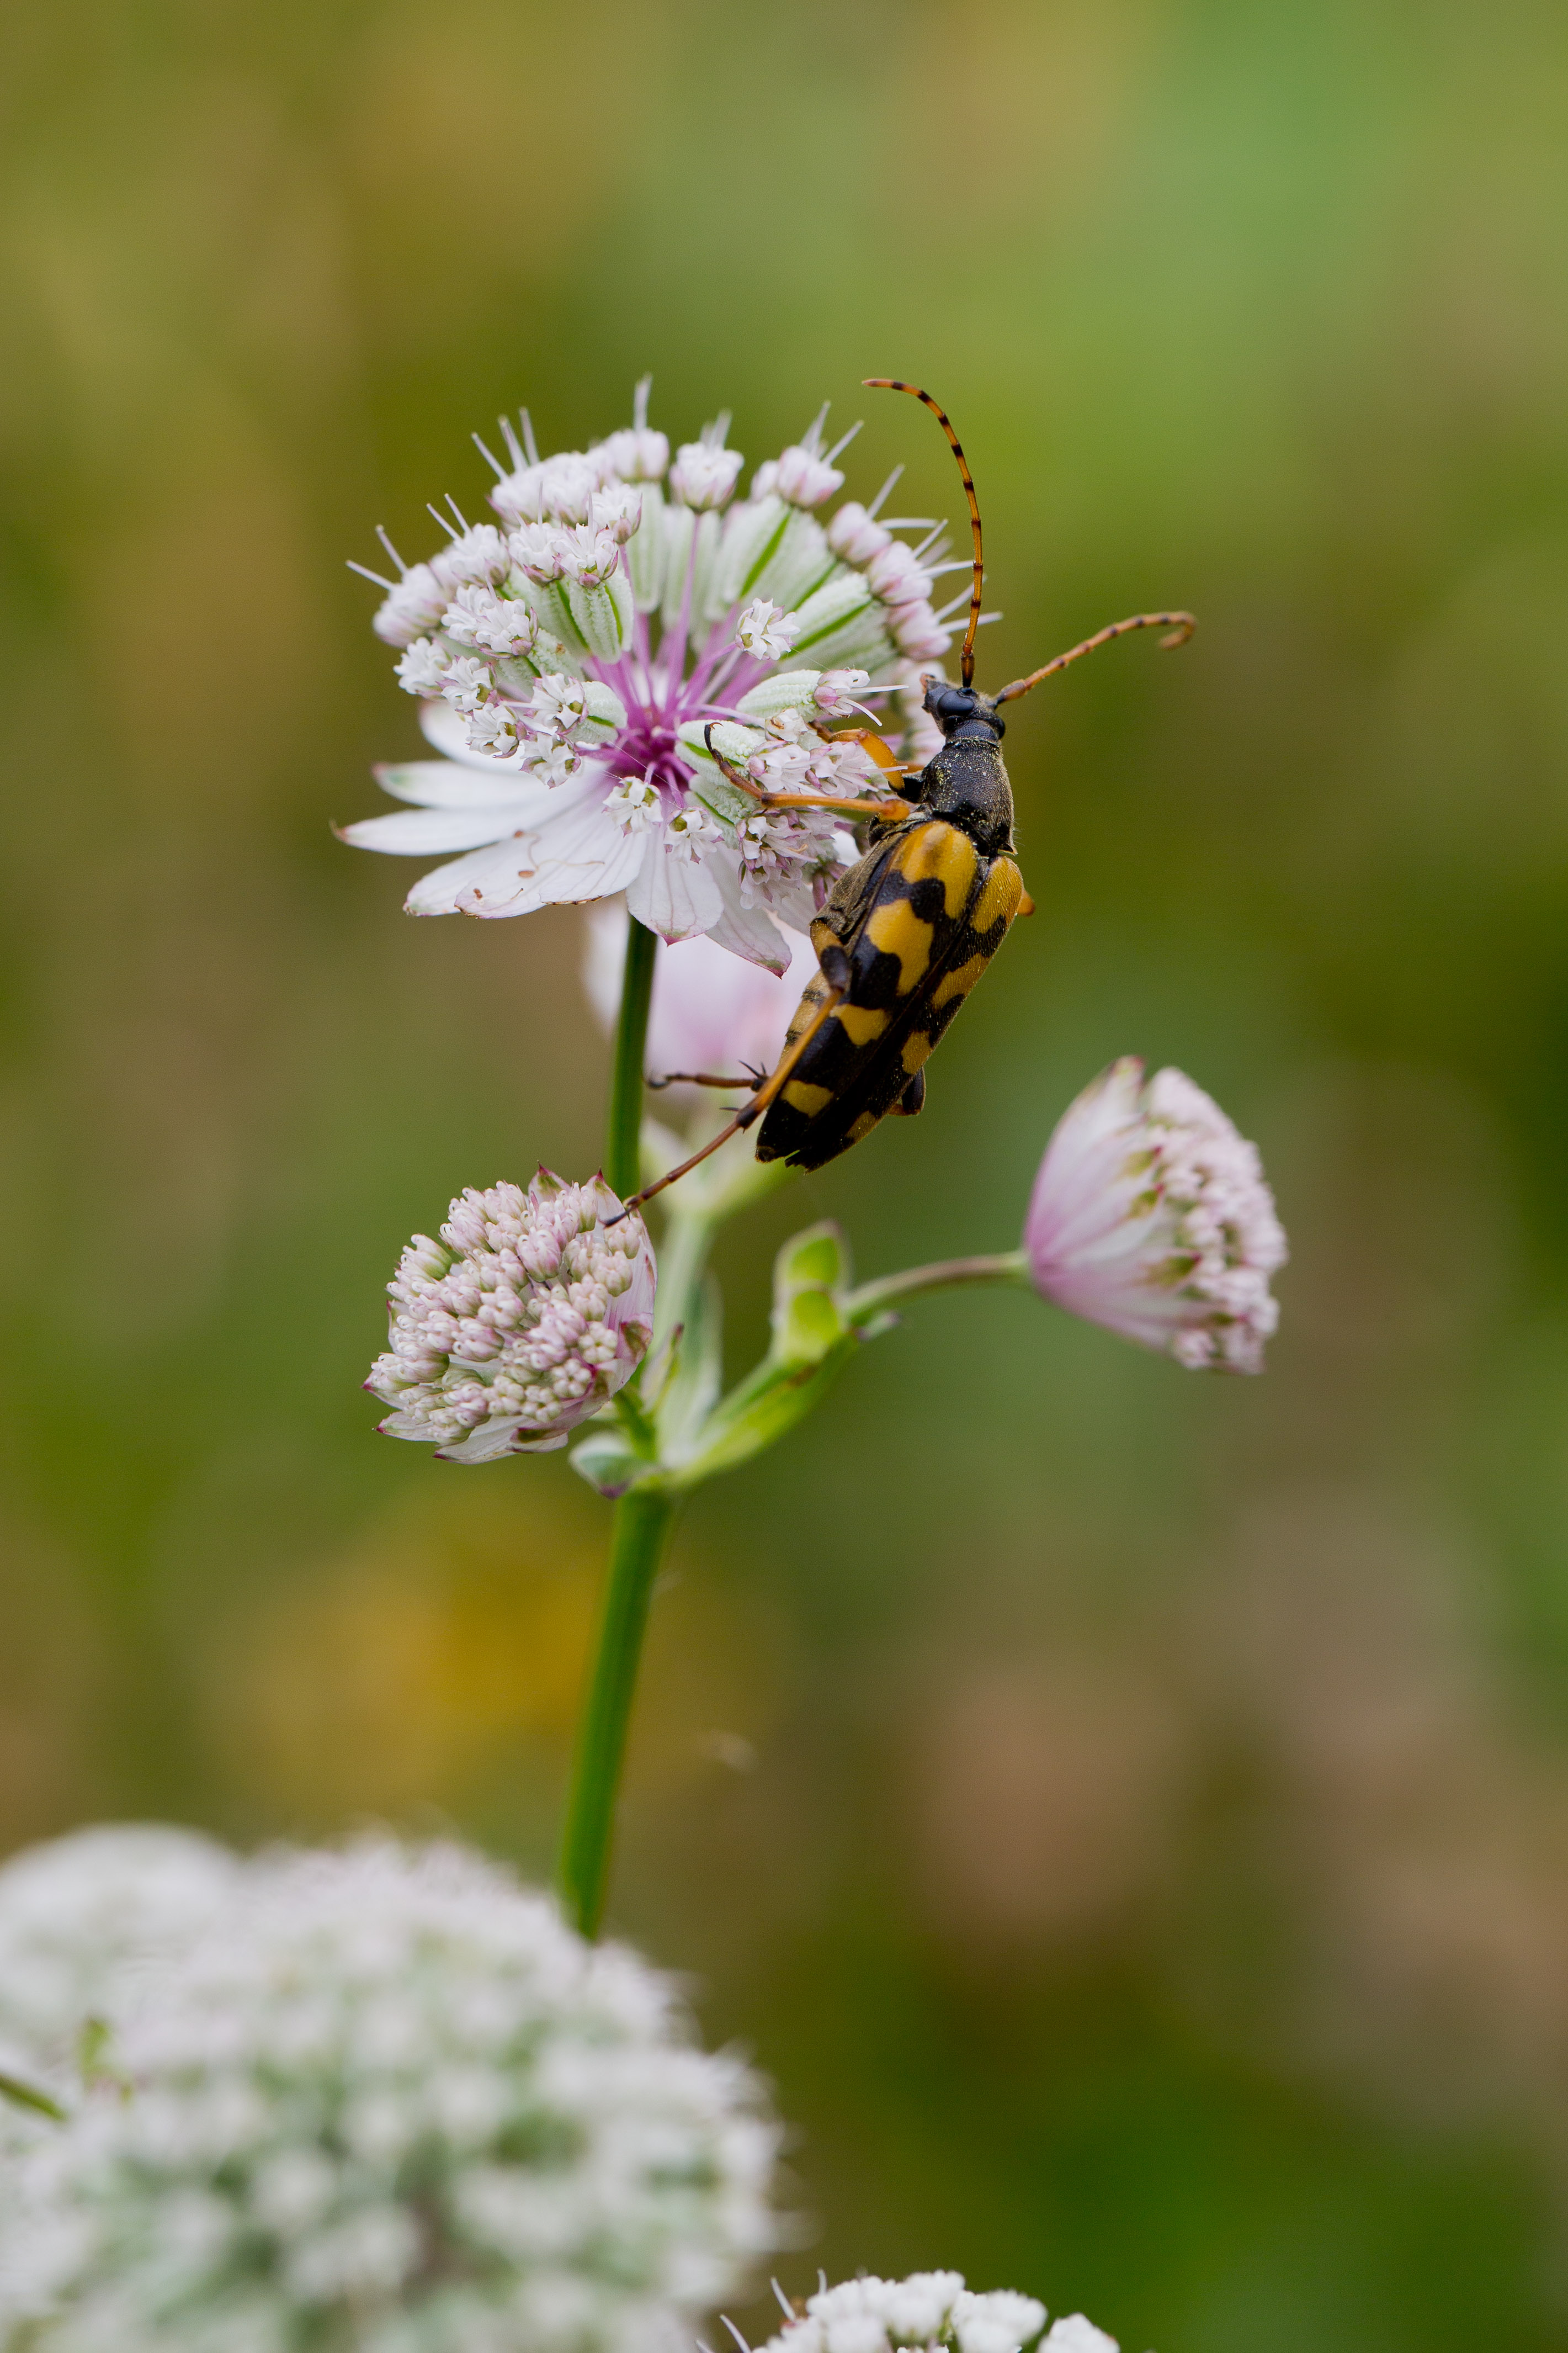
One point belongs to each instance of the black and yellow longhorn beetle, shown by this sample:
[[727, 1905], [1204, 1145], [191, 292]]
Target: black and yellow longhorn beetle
[[906, 931]]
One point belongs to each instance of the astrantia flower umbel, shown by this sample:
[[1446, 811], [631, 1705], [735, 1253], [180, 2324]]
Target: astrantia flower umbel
[[391, 2104], [529, 1313], [87, 1920], [570, 655], [933, 2311], [1151, 1216]]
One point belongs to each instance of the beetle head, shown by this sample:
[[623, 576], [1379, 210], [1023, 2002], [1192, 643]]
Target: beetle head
[[962, 712]]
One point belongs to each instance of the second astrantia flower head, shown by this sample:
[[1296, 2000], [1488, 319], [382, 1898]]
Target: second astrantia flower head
[[527, 1315], [571, 656]]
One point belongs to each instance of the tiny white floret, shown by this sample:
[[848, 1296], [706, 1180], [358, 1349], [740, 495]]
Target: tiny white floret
[[929, 2312], [766, 631]]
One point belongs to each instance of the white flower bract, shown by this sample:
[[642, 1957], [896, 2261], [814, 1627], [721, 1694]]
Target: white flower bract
[[391, 2104], [1150, 1214], [929, 2312], [528, 1313], [650, 583]]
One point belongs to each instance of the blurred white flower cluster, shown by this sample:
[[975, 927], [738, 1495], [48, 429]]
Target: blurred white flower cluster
[[571, 656], [529, 1313], [1150, 1214], [87, 1919], [933, 2311], [386, 2100]]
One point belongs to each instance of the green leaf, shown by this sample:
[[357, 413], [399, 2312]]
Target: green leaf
[[811, 1277], [23, 2094], [812, 1341], [604, 1456], [618, 1448], [764, 1409]]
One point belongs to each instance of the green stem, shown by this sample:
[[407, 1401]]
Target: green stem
[[1007, 1266], [642, 1526], [622, 1167]]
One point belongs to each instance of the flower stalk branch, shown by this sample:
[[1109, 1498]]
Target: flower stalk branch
[[873, 1298]]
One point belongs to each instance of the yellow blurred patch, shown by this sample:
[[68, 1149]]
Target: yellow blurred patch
[[395, 1676], [445, 1651]]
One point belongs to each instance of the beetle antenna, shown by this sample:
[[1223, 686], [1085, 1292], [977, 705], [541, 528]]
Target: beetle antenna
[[1178, 626], [891, 384]]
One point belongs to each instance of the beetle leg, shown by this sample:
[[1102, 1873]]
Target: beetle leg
[[877, 748], [894, 811], [699, 1079], [754, 1110]]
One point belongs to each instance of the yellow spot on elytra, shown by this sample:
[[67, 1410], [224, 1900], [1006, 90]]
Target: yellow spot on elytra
[[943, 851], [917, 1046], [897, 930], [863, 1126], [959, 981], [998, 902], [804, 1097], [860, 1024], [816, 991]]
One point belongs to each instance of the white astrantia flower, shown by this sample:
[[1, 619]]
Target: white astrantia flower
[[648, 586], [766, 631], [707, 1013], [931, 2312], [528, 1313], [88, 1920], [392, 2103], [1150, 1214]]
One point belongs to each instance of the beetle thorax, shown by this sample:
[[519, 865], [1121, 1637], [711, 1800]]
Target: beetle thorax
[[967, 784]]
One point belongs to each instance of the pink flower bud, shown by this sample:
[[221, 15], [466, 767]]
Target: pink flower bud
[[412, 608], [854, 537], [539, 550], [918, 633], [480, 555], [1150, 1214], [804, 479], [636, 455], [837, 690], [704, 478], [896, 576]]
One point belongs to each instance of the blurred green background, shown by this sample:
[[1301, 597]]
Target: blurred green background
[[1148, 1885]]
